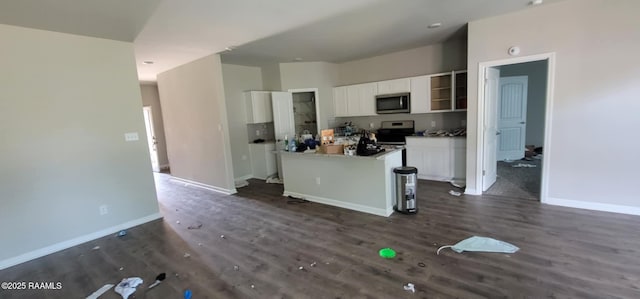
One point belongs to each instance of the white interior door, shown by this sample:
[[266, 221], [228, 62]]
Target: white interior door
[[491, 94], [151, 138], [283, 122], [512, 116]]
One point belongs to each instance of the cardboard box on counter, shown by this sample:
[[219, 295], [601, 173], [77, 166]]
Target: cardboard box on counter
[[331, 149]]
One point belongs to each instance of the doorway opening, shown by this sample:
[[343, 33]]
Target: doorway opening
[[304, 113], [152, 142], [515, 114]]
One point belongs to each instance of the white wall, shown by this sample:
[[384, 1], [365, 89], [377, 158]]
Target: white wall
[[445, 57], [238, 79], [65, 103], [321, 75], [536, 97], [271, 77], [196, 126], [593, 150], [151, 98]]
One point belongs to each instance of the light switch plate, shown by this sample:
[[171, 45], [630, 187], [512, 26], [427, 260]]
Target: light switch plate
[[131, 136]]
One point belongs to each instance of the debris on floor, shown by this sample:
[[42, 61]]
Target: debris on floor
[[188, 294], [121, 268], [127, 286], [523, 165], [236, 268], [300, 268], [253, 287], [186, 255], [159, 279], [313, 264], [178, 222], [100, 291], [274, 180], [121, 233], [195, 226], [294, 200], [222, 236], [421, 265], [459, 184], [387, 253], [95, 248], [482, 244], [410, 287], [454, 193], [241, 183]]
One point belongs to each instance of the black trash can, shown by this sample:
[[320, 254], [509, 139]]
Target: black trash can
[[406, 186]]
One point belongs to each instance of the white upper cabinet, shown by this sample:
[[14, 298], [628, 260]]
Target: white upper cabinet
[[394, 86], [442, 92], [259, 109], [362, 98], [340, 101], [355, 100], [420, 90]]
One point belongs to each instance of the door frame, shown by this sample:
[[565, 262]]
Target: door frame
[[152, 141], [551, 66], [315, 94]]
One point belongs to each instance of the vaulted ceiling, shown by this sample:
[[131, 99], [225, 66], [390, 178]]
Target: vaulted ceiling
[[174, 32]]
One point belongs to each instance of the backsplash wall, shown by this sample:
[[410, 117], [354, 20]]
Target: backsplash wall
[[265, 130], [443, 121]]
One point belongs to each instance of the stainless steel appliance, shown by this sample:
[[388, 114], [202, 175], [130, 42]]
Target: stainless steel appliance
[[392, 135], [393, 103], [406, 190]]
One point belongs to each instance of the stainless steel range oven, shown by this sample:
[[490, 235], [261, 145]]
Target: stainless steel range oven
[[392, 135]]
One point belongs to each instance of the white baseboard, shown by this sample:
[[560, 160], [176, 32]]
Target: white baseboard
[[471, 191], [593, 206], [205, 186], [244, 177], [75, 241], [342, 204]]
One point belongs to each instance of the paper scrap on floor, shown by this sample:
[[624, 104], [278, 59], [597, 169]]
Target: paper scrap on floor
[[483, 244], [523, 165]]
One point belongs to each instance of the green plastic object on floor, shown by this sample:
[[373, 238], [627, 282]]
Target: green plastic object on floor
[[387, 253]]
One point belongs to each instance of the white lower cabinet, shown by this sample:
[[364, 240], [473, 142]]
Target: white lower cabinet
[[437, 158], [263, 160]]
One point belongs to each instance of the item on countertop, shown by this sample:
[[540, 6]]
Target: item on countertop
[[259, 140], [327, 136]]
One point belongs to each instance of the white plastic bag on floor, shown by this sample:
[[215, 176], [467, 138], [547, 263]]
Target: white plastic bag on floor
[[484, 244]]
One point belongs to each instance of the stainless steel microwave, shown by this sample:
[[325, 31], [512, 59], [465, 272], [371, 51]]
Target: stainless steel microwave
[[393, 103]]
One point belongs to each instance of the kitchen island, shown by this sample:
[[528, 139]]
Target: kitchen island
[[361, 183]]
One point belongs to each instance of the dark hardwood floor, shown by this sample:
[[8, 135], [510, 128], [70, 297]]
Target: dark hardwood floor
[[564, 253]]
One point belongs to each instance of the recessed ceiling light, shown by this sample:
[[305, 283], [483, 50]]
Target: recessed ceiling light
[[147, 62], [535, 2], [297, 59], [434, 25]]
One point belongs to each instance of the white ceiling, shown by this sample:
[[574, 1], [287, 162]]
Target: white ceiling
[[174, 32]]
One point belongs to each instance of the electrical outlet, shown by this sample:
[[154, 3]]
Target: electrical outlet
[[317, 180], [433, 123], [131, 136], [104, 210]]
